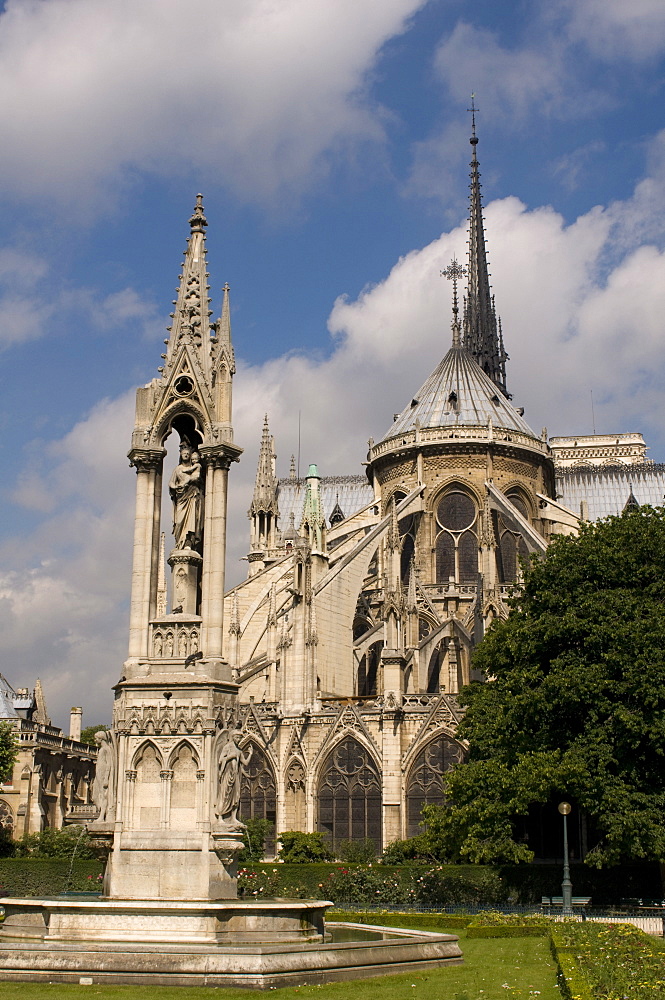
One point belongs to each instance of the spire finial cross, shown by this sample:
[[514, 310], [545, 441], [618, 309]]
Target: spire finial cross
[[454, 271]]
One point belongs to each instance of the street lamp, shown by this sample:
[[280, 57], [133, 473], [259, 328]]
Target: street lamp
[[566, 885]]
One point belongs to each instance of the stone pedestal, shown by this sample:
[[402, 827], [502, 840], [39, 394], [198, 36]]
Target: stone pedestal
[[172, 865], [185, 565]]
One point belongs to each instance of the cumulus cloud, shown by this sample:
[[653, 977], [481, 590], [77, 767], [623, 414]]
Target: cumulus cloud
[[254, 92], [613, 29]]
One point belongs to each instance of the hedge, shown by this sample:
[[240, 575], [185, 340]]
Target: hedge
[[469, 885], [422, 921], [508, 931], [47, 876]]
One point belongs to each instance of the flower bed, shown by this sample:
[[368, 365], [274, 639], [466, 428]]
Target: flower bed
[[608, 962]]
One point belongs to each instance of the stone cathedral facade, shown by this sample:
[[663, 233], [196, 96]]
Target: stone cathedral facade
[[353, 633], [320, 693]]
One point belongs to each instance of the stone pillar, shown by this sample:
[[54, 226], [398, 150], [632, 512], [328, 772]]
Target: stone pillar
[[214, 552], [75, 716], [148, 466], [185, 565]]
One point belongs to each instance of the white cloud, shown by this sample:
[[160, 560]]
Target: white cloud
[[615, 29], [511, 81], [254, 91]]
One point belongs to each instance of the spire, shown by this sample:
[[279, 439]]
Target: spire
[[191, 318], [482, 337], [223, 348], [265, 485]]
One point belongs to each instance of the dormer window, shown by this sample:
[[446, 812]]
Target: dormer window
[[452, 398]]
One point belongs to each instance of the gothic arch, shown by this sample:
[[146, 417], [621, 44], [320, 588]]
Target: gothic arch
[[176, 418], [525, 503], [295, 793], [424, 780], [175, 753], [6, 818], [140, 752], [349, 796], [258, 789]]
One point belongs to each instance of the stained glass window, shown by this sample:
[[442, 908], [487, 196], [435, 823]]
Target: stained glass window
[[425, 781], [349, 795]]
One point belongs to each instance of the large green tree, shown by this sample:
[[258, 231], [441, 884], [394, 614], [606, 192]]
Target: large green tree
[[574, 703]]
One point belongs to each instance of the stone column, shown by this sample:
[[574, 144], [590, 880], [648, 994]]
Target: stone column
[[214, 552], [148, 466]]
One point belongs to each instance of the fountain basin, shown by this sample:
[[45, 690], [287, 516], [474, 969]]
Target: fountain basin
[[252, 944]]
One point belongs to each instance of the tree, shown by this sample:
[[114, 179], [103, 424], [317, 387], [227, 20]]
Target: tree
[[302, 848], [574, 704], [254, 840], [88, 734], [8, 749]]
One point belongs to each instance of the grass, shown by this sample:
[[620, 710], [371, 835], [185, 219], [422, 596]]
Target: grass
[[495, 969]]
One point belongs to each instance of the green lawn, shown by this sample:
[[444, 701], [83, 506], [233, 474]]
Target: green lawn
[[493, 969]]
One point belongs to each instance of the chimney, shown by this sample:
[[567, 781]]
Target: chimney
[[75, 723]]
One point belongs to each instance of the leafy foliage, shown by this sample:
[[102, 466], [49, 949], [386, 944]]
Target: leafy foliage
[[298, 847], [400, 851], [575, 702], [88, 734], [254, 839], [356, 851], [8, 749], [69, 842]]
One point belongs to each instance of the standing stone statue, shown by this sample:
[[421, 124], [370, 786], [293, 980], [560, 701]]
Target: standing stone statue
[[229, 770], [103, 787], [186, 491]]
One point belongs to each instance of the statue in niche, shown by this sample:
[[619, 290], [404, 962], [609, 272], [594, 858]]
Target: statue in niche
[[186, 491], [182, 644], [103, 787], [230, 764], [169, 645], [158, 644]]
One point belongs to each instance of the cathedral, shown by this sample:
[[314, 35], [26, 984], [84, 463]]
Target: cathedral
[[352, 635]]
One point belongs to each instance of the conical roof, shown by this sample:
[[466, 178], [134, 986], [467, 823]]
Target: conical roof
[[458, 393]]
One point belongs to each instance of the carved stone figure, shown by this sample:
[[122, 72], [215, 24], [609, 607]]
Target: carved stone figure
[[186, 491], [103, 787], [230, 763]]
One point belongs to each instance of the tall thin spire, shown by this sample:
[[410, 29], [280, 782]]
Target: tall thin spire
[[482, 338], [264, 499]]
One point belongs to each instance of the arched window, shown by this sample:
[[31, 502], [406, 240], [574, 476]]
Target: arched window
[[457, 539], [512, 546], [368, 670], [349, 794], [6, 818], [434, 671], [425, 781], [258, 792]]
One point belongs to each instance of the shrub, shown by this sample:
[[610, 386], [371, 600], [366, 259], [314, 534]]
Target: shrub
[[400, 851], [69, 842], [356, 851], [450, 885], [301, 848], [254, 839], [33, 876]]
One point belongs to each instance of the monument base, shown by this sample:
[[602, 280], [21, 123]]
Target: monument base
[[257, 944]]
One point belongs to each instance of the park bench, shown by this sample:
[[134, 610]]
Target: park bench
[[558, 900]]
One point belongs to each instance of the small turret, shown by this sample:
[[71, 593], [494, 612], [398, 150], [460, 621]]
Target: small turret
[[264, 510]]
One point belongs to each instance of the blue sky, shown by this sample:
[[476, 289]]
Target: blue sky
[[330, 140]]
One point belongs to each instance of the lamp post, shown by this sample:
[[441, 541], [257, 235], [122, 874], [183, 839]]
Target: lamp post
[[566, 885]]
